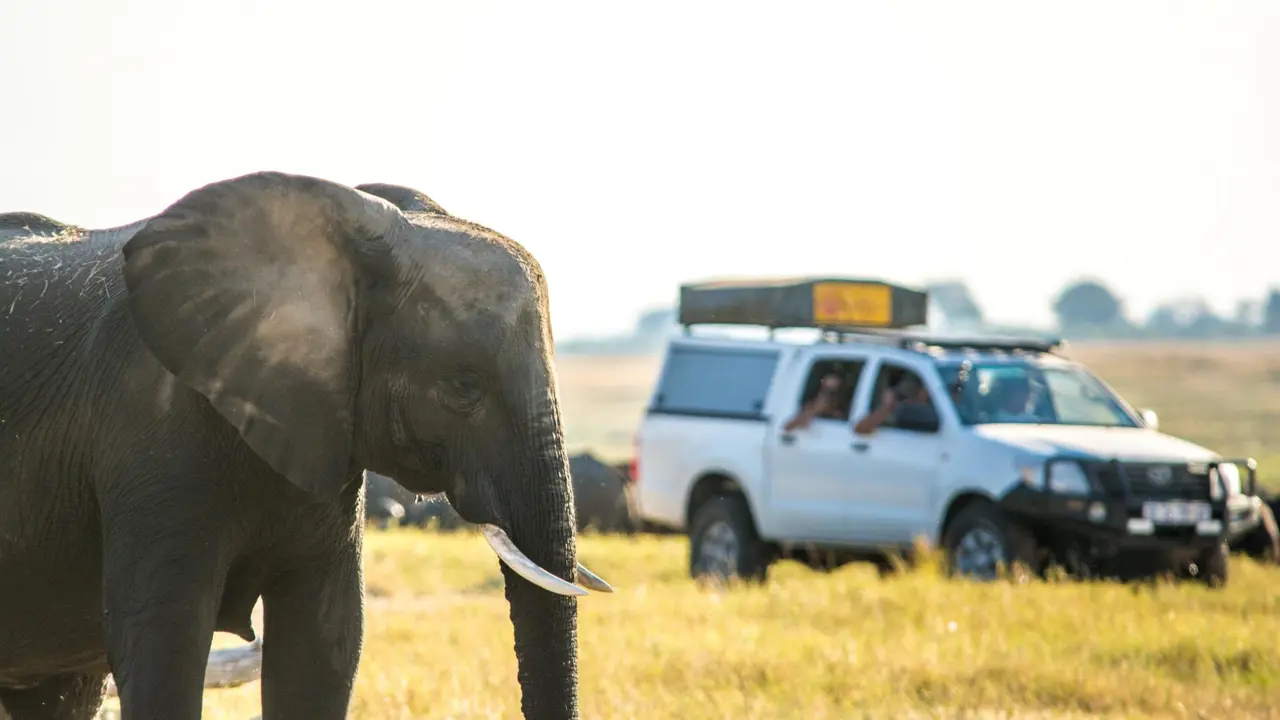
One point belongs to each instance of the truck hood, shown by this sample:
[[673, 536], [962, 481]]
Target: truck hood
[[1104, 443]]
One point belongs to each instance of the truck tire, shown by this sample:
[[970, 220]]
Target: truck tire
[[982, 538], [1212, 566], [723, 543]]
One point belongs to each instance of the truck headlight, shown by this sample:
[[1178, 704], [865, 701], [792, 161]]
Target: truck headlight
[[1067, 478], [1230, 474]]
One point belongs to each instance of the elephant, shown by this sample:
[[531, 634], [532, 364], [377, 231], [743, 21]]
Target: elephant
[[600, 499], [600, 495], [1263, 542], [435, 508], [385, 502], [188, 405], [384, 511]]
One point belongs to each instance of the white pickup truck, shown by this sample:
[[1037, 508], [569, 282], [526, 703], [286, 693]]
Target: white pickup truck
[[1016, 458]]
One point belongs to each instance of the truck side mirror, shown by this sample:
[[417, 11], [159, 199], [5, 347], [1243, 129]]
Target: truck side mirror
[[921, 418], [1150, 419]]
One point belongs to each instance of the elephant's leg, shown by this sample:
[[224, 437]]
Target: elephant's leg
[[314, 626], [164, 566], [63, 697]]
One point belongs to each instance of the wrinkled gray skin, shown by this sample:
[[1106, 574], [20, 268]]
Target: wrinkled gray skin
[[186, 408]]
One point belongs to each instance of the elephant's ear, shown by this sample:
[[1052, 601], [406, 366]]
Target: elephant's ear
[[245, 290], [405, 198]]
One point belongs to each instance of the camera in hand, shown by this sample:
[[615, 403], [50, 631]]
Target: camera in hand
[[905, 389]]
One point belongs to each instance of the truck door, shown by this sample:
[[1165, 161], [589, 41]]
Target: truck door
[[895, 469], [810, 456]]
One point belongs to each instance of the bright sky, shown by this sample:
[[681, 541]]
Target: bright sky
[[632, 146]]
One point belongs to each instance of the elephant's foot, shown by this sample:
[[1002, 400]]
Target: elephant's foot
[[64, 697]]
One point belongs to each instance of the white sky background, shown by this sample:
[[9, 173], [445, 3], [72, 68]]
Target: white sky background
[[634, 146]]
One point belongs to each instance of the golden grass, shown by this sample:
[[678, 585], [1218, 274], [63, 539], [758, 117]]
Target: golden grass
[[845, 644], [809, 645]]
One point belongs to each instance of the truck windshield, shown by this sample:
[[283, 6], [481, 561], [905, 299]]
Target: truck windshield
[[1016, 392]]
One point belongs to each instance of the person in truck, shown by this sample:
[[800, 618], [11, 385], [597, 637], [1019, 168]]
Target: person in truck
[[825, 404], [908, 391], [1014, 393]]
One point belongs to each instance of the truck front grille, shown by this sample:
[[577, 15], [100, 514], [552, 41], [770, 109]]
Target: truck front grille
[[1154, 480]]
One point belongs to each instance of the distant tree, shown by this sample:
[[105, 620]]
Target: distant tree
[[651, 330], [1163, 322], [1193, 318], [1200, 321], [1271, 315], [1248, 312], [654, 327], [953, 299], [1088, 304]]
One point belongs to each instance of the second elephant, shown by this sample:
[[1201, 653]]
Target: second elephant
[[601, 497]]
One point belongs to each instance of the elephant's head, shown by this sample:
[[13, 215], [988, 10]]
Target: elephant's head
[[340, 329]]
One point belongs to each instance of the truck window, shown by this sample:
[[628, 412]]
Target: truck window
[[840, 375], [719, 382], [890, 375]]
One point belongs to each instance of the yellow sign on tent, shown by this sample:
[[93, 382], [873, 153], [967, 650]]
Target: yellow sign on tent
[[838, 303]]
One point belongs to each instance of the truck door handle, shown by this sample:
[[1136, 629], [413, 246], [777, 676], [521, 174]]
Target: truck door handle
[[860, 446], [787, 439]]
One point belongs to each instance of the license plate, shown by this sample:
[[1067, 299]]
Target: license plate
[[1177, 513]]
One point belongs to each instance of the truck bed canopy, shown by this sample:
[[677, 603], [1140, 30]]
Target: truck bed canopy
[[828, 303]]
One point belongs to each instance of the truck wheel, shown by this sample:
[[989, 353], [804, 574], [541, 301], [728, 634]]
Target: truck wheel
[[1212, 566], [723, 543], [981, 539]]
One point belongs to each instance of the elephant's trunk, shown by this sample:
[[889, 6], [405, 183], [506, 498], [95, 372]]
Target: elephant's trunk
[[537, 544], [546, 622]]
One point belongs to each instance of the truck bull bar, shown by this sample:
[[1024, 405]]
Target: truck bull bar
[[1107, 511]]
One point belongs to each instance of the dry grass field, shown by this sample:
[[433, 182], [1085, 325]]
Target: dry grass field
[[438, 642], [846, 644]]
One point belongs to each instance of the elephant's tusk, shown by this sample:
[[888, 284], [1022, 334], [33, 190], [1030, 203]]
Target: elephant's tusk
[[524, 567], [591, 581]]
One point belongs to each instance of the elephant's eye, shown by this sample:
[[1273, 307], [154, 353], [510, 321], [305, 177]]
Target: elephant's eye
[[465, 391]]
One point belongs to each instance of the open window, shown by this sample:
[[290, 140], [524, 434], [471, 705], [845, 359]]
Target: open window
[[909, 415], [838, 378]]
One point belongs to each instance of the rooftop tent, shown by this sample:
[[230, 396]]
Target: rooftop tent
[[825, 303]]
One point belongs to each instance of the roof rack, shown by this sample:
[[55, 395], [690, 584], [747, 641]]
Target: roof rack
[[923, 341], [843, 309], [828, 303], [1042, 345]]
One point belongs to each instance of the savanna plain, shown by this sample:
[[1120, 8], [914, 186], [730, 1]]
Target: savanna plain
[[847, 644]]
